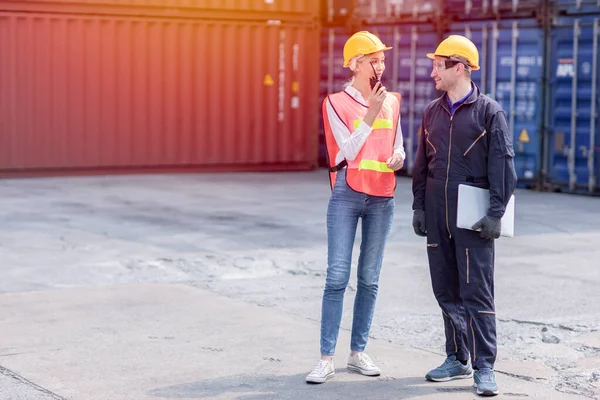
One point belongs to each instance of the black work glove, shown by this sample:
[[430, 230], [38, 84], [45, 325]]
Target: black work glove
[[418, 223], [490, 227]]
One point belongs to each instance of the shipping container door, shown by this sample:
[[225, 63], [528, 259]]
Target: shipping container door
[[574, 147], [514, 80], [408, 72]]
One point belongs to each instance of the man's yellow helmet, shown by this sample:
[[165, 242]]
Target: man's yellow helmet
[[458, 47]]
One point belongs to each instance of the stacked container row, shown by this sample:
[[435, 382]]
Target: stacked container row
[[539, 61], [128, 85]]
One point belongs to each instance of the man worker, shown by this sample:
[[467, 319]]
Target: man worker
[[464, 140]]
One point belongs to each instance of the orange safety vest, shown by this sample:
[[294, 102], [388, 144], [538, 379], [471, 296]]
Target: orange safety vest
[[368, 172]]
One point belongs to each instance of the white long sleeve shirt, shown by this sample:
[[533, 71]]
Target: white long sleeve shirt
[[350, 143]]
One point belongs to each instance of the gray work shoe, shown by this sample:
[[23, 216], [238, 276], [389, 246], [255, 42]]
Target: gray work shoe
[[485, 382], [449, 370]]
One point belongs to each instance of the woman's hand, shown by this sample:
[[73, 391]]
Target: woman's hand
[[378, 95], [395, 162]]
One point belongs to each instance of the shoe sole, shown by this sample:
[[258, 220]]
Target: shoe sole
[[362, 371], [450, 378], [488, 393], [320, 380]]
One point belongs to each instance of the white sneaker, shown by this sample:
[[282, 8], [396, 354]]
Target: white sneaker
[[360, 362], [322, 371]]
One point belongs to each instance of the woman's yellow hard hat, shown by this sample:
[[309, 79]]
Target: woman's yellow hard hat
[[362, 42]]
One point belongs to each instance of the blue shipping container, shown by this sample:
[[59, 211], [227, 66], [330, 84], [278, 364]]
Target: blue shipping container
[[488, 7], [408, 73], [574, 145], [376, 9], [511, 71], [510, 54], [576, 6]]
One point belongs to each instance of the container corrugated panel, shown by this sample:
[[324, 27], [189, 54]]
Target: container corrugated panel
[[574, 147], [489, 7], [266, 7], [479, 33], [93, 92], [511, 72], [577, 6], [407, 72], [332, 75], [515, 81], [336, 12], [374, 9]]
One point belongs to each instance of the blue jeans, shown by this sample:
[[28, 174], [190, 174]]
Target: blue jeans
[[346, 207]]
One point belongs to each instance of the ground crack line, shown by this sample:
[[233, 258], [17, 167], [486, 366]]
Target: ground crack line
[[577, 328], [517, 376], [9, 373]]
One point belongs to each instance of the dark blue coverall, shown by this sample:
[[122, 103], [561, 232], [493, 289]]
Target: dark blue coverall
[[472, 146]]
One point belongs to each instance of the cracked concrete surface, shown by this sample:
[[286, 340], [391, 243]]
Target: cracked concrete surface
[[260, 239], [15, 387]]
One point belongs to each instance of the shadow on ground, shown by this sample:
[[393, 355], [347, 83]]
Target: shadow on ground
[[247, 387]]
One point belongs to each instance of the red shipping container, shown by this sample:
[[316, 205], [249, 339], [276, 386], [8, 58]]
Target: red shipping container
[[286, 10], [83, 92]]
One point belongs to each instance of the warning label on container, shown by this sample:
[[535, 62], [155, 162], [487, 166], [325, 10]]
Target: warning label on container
[[295, 87], [268, 81], [524, 136]]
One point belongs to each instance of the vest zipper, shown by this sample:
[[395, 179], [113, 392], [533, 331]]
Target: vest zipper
[[476, 140]]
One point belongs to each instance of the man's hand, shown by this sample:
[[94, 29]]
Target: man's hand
[[395, 162], [489, 226], [418, 223]]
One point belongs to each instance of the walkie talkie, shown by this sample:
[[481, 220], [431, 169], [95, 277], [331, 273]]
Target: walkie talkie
[[373, 80]]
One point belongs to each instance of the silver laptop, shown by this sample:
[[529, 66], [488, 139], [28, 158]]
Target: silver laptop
[[473, 204]]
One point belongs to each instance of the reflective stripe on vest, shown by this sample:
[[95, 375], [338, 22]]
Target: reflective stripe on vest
[[377, 124], [368, 173], [374, 166]]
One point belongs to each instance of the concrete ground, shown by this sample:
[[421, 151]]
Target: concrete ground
[[209, 287]]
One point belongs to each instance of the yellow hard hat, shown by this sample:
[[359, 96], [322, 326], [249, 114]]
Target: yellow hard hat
[[457, 46], [362, 42]]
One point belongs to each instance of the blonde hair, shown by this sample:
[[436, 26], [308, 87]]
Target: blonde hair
[[352, 66]]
